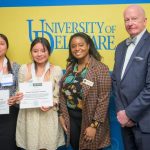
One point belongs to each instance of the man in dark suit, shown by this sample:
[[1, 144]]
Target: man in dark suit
[[131, 81]]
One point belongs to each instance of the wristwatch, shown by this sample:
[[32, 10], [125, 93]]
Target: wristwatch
[[94, 124]]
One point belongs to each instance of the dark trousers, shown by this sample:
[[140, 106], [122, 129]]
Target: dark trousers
[[75, 128], [135, 139]]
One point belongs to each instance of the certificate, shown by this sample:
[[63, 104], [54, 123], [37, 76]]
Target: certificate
[[4, 96], [36, 94]]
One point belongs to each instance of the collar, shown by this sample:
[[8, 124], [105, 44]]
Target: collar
[[139, 36]]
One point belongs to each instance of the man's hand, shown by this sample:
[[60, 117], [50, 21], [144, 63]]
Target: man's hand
[[122, 118], [130, 123]]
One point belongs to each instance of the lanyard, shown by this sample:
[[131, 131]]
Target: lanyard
[[5, 79]]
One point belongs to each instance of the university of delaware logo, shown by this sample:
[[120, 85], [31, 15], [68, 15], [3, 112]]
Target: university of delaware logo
[[39, 33], [58, 33]]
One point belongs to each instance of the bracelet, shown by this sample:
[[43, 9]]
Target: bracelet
[[94, 124]]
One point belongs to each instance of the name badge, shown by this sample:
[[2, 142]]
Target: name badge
[[7, 80], [88, 82]]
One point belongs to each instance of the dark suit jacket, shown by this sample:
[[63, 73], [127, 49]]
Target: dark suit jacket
[[133, 91]]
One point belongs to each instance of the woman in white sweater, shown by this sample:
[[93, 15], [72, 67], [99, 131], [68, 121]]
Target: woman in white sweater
[[39, 128]]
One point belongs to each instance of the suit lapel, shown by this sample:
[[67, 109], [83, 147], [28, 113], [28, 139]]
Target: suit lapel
[[137, 49], [122, 58]]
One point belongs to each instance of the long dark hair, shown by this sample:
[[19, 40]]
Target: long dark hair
[[4, 37], [92, 50]]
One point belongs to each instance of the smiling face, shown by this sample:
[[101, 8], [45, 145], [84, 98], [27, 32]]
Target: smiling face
[[135, 21], [3, 47], [79, 48], [40, 53]]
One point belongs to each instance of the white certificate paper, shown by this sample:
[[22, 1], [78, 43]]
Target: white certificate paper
[[36, 94], [4, 96]]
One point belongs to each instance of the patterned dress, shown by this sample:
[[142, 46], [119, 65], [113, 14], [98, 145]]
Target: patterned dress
[[8, 121], [37, 129]]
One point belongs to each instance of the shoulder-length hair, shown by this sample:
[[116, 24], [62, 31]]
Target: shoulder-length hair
[[92, 49]]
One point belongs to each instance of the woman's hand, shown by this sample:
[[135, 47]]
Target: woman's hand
[[12, 100], [89, 133], [15, 99], [45, 108], [62, 122]]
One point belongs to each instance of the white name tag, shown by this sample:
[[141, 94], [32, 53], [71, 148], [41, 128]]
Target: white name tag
[[4, 96], [7, 80], [88, 82]]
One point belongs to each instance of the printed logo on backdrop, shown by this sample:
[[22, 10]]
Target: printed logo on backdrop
[[58, 33]]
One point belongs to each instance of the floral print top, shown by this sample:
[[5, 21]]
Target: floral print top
[[72, 88]]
